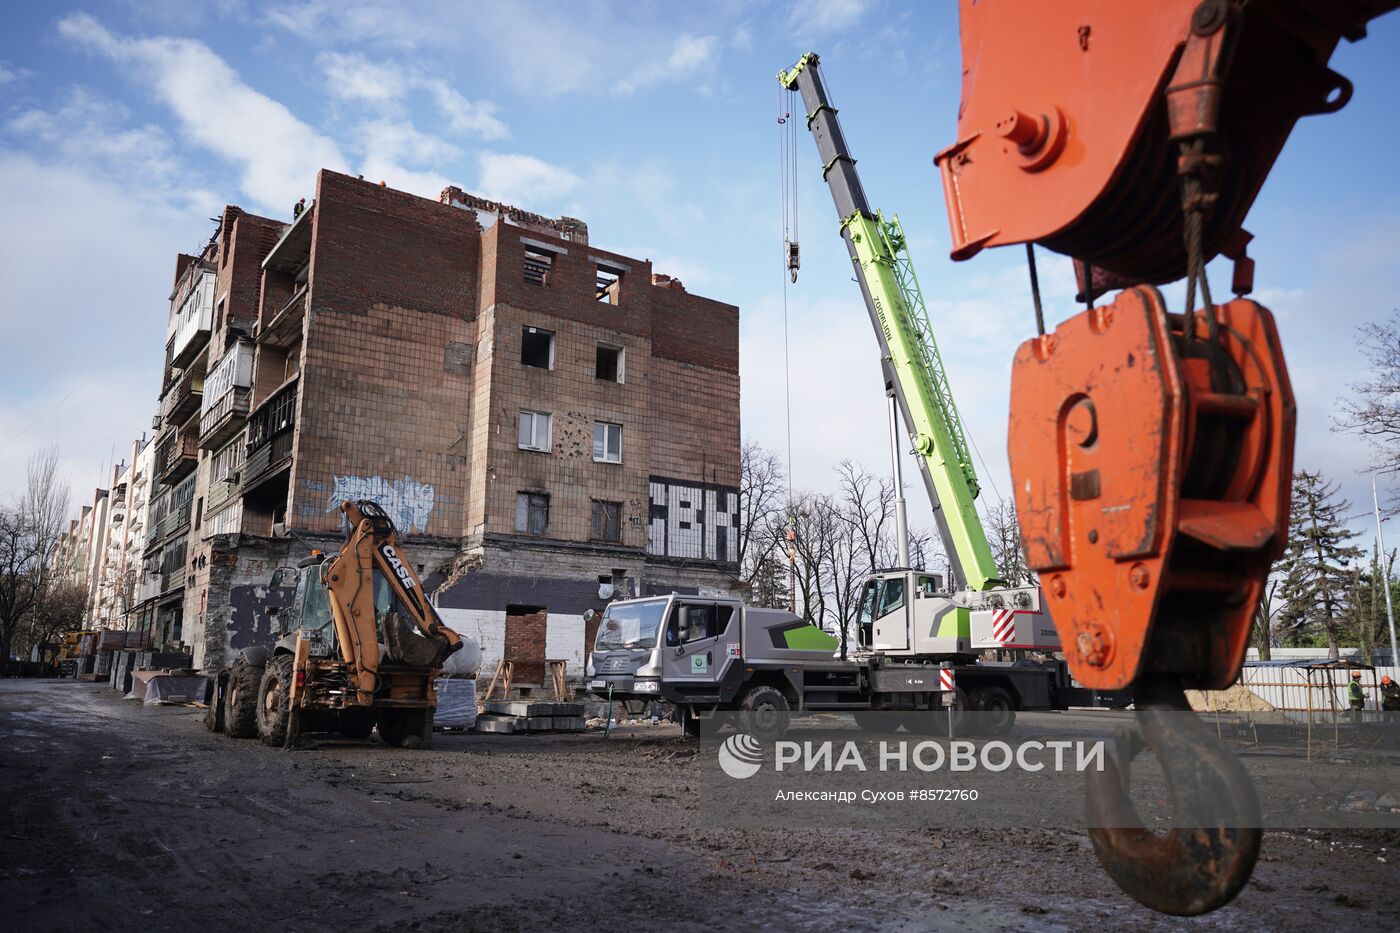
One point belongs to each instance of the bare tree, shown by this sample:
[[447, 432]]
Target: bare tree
[[1004, 536], [60, 609], [28, 531], [1373, 408], [1266, 615], [762, 525]]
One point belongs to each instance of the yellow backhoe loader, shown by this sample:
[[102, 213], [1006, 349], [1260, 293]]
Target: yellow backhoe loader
[[360, 647]]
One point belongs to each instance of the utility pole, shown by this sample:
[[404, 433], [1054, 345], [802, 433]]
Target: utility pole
[[1385, 565]]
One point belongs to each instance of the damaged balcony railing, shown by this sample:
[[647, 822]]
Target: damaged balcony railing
[[270, 434], [183, 398]]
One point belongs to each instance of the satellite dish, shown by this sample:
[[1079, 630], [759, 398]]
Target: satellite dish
[[606, 591]]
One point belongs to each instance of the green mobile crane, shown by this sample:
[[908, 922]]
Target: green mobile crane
[[917, 385]]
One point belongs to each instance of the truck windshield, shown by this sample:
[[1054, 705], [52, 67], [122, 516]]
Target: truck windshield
[[630, 625]]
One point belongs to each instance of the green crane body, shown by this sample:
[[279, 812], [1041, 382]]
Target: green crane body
[[914, 370]]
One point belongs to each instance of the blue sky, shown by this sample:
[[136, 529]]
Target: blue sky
[[125, 126]]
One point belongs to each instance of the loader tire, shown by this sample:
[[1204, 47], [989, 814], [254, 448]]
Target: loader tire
[[241, 700], [214, 702], [274, 701], [766, 713], [406, 728]]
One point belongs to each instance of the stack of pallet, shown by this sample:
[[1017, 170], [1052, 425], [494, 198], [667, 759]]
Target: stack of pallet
[[530, 716]]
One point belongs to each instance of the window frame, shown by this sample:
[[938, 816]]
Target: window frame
[[605, 425], [603, 504], [619, 365], [529, 329], [534, 421], [531, 501]]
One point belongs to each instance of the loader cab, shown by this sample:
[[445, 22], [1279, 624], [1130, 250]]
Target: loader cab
[[310, 610]]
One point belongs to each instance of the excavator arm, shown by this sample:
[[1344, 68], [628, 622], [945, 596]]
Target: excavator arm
[[371, 574]]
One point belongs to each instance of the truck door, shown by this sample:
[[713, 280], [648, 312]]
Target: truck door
[[700, 642], [888, 604]]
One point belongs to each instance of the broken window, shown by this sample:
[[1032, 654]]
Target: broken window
[[534, 430], [532, 512], [607, 442], [609, 363], [537, 348], [607, 282], [538, 264], [607, 524]]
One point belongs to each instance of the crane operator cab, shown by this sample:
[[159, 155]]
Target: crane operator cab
[[910, 613]]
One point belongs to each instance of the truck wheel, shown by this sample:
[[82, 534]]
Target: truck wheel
[[241, 700], [355, 723], [214, 711], [690, 723], [996, 711], [274, 701], [766, 713], [874, 720]]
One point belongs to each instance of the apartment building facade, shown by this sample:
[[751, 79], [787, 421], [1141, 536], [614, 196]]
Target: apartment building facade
[[550, 424]]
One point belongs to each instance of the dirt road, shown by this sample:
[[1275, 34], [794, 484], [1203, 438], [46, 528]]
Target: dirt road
[[121, 817]]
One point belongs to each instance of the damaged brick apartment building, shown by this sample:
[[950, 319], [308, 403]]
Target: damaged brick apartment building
[[550, 425]]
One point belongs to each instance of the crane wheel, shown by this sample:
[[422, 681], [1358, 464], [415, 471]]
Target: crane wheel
[[766, 713], [274, 701], [996, 711], [241, 700]]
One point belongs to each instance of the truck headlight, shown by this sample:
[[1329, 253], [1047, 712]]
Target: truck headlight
[[646, 686]]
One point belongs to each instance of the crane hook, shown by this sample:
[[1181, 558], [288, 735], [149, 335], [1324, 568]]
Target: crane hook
[[1204, 861]]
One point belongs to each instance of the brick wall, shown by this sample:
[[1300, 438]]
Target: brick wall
[[524, 645], [386, 377]]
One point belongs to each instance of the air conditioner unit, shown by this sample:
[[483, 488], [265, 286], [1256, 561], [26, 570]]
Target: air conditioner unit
[[280, 530], [155, 422]]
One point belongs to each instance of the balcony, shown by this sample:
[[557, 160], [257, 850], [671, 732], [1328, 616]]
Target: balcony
[[184, 398], [270, 435], [284, 328], [227, 392], [191, 325], [177, 454]]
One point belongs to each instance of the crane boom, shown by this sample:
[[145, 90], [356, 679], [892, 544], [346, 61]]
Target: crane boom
[[914, 371]]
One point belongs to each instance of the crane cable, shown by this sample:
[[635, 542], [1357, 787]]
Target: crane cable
[[787, 173]]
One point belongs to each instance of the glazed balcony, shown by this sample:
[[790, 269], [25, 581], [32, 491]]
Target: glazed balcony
[[184, 398], [191, 325], [227, 394]]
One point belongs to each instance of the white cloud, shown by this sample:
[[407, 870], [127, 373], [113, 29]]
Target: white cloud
[[8, 74], [279, 156], [391, 147], [812, 17], [523, 180], [84, 372], [690, 55], [353, 77]]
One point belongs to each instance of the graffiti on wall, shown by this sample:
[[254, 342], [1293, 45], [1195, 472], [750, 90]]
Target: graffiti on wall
[[408, 503], [693, 520]]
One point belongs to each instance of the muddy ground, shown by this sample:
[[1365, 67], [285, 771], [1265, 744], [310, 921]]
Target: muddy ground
[[123, 817]]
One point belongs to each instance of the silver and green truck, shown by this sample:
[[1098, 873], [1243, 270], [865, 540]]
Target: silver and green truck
[[709, 654]]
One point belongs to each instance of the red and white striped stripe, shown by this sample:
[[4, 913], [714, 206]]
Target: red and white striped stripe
[[945, 679], [1003, 625]]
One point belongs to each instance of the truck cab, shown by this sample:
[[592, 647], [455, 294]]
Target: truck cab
[[699, 650]]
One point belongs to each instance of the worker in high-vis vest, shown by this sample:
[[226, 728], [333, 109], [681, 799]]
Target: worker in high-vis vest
[[1390, 698], [1356, 697]]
